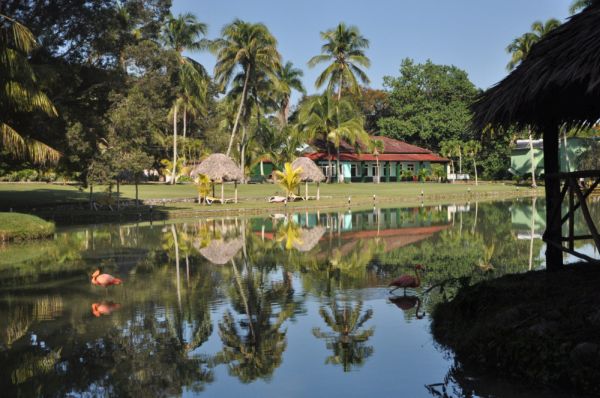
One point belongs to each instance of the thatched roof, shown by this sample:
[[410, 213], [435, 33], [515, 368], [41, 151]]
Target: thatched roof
[[309, 237], [310, 171], [558, 82], [218, 167], [220, 251]]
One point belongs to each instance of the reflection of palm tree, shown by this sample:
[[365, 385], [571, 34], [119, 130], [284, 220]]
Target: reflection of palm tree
[[290, 233], [254, 346], [347, 340]]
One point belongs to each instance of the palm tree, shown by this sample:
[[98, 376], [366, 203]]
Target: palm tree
[[521, 46], [289, 178], [472, 149], [288, 78], [579, 5], [330, 122], [20, 92], [344, 48], [183, 33], [250, 47]]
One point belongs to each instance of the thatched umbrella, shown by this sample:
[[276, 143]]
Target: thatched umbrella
[[308, 239], [220, 251], [310, 173], [558, 83], [219, 168]]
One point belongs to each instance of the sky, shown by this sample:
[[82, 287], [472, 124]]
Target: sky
[[470, 34]]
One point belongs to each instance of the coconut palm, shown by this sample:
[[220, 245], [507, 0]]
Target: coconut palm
[[329, 122], [472, 149], [288, 79], [344, 48], [19, 91], [579, 5], [521, 46], [347, 339], [183, 33], [250, 47]]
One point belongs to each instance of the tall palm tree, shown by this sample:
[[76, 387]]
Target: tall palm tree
[[250, 47], [288, 79], [19, 91], [183, 33], [345, 49], [472, 149]]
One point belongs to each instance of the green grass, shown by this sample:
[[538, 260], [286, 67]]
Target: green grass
[[17, 226], [27, 196]]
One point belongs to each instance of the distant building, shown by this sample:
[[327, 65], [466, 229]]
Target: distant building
[[520, 159], [397, 160]]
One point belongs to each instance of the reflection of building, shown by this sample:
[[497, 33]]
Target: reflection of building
[[396, 160], [520, 158], [522, 215]]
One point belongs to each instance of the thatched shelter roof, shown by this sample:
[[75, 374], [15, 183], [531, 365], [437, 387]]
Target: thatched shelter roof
[[218, 167], [558, 82], [310, 171], [220, 251], [309, 237]]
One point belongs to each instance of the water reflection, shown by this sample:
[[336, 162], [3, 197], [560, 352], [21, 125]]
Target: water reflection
[[217, 304]]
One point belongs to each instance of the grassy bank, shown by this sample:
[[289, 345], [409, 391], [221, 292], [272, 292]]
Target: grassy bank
[[541, 327], [17, 226]]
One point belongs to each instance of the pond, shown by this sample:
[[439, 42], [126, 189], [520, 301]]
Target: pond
[[289, 305]]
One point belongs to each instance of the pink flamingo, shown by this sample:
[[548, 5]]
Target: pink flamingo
[[406, 281], [104, 280]]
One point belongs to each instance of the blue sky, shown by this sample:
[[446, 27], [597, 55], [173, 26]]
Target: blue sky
[[471, 34]]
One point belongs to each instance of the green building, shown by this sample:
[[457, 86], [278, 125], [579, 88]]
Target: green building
[[520, 159]]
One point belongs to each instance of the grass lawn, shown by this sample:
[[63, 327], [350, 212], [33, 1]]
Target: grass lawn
[[31, 195], [17, 226]]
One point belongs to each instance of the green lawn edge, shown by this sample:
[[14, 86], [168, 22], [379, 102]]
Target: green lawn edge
[[20, 227]]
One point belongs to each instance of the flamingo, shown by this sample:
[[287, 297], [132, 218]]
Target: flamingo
[[104, 280], [405, 281], [104, 308]]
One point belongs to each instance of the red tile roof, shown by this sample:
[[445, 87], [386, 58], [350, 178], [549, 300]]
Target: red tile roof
[[393, 150]]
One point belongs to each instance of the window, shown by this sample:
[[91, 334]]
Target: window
[[410, 167], [355, 170], [392, 169], [325, 170]]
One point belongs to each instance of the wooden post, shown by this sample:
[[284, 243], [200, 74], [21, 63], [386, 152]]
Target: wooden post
[[222, 192], [318, 191], [554, 255], [236, 196], [571, 213], [306, 190]]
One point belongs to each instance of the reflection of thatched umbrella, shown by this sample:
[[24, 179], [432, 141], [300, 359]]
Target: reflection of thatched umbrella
[[309, 237], [219, 168], [557, 83], [310, 173], [220, 251]]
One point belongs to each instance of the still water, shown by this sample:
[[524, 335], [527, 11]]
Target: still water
[[291, 305]]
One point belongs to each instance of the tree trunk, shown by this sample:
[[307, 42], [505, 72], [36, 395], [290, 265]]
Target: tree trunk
[[176, 263], [475, 167], [262, 168], [236, 192], [329, 167], [243, 153], [339, 174], [239, 112], [554, 258], [174, 169], [91, 197], [459, 161], [533, 182], [222, 192], [567, 165], [137, 202], [377, 166], [306, 191], [184, 122], [118, 194]]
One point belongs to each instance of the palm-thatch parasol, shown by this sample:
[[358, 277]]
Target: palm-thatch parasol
[[220, 251], [558, 83], [310, 173], [308, 239], [219, 168]]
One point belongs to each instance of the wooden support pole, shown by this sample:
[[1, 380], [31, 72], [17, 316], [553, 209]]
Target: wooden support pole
[[554, 254], [587, 216], [236, 193], [569, 181]]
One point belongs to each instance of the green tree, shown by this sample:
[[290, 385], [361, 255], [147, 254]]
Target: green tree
[[288, 79], [472, 149], [289, 178], [520, 47], [183, 33], [344, 49], [328, 122], [579, 5], [429, 104], [250, 47], [20, 91]]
